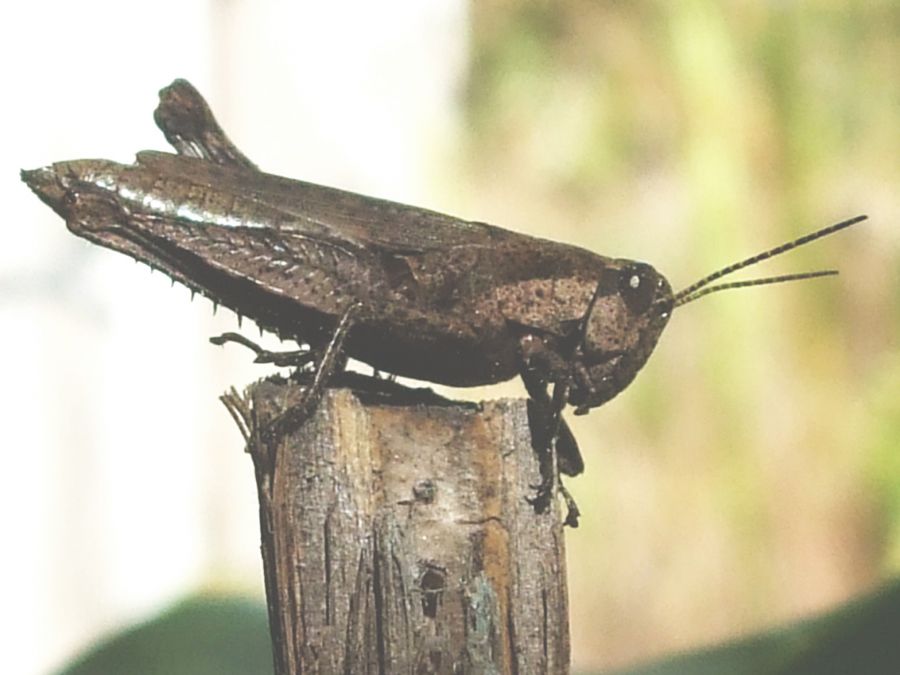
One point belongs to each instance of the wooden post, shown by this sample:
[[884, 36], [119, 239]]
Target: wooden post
[[396, 535]]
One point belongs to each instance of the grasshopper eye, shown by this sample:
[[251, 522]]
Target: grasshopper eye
[[637, 287]]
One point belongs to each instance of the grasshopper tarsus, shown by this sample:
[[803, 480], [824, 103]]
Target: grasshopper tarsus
[[546, 491], [541, 499], [573, 513], [296, 358], [331, 362]]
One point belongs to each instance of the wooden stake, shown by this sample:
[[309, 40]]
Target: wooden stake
[[397, 538]]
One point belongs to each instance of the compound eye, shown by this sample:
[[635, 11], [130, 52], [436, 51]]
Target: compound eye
[[637, 286]]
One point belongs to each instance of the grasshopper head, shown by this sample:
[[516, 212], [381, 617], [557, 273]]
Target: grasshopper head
[[630, 308]]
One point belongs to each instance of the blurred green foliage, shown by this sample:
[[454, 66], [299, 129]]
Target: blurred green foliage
[[751, 474], [225, 635], [202, 635], [857, 638]]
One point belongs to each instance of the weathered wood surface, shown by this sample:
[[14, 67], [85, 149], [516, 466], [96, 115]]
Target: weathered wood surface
[[397, 538]]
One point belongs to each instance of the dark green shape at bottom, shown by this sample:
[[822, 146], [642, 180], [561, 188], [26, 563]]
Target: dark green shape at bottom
[[200, 635], [862, 636]]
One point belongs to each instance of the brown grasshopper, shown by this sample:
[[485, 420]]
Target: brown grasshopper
[[406, 290]]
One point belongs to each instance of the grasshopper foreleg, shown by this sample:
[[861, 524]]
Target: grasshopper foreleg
[[553, 441]]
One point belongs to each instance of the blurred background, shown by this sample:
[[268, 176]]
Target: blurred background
[[751, 474]]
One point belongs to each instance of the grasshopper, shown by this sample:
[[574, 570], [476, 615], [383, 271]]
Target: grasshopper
[[409, 291]]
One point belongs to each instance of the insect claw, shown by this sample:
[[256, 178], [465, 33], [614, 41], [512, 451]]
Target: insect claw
[[573, 513], [541, 500]]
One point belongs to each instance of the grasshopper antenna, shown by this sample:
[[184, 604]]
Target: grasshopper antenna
[[702, 287]]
